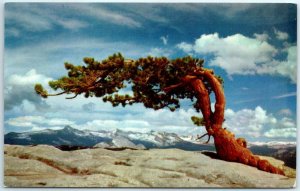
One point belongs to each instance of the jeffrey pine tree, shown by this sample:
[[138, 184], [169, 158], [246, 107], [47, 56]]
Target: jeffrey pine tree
[[160, 83]]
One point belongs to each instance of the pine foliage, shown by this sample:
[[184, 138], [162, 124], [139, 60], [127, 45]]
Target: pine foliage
[[147, 77]]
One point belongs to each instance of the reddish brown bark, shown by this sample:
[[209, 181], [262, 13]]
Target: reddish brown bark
[[204, 103], [227, 146]]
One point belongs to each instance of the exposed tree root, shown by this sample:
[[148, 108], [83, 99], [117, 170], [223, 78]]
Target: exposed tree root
[[231, 149]]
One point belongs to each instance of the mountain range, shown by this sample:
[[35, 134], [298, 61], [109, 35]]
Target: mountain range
[[70, 138]]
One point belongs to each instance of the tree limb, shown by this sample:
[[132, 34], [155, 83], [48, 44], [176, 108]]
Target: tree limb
[[72, 97], [57, 93]]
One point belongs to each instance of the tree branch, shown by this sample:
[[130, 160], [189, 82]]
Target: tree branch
[[201, 136], [57, 93], [170, 88], [198, 138], [72, 97]]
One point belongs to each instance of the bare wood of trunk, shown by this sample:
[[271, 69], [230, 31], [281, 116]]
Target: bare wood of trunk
[[203, 102]]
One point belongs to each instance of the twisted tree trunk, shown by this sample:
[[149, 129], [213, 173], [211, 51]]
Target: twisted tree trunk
[[227, 146]]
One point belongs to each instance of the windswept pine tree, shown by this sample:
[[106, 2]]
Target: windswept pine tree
[[160, 83]]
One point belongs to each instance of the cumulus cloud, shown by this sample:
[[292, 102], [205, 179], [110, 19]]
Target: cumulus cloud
[[31, 77], [186, 47], [286, 67], [279, 133], [19, 88], [281, 35], [285, 128], [238, 54], [246, 121], [258, 123]]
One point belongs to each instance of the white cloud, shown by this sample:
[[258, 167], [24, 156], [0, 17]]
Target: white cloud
[[134, 118], [286, 95], [146, 11], [230, 11], [238, 54], [31, 77], [158, 52], [287, 67], [11, 31], [25, 121], [285, 128], [38, 121], [246, 121], [258, 123], [164, 39], [72, 24], [102, 14], [114, 124], [185, 47], [226, 11], [281, 35], [147, 119], [28, 20], [279, 133], [19, 88], [292, 94], [57, 122], [38, 18], [285, 112], [261, 37]]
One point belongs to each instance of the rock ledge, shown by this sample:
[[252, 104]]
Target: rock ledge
[[47, 166]]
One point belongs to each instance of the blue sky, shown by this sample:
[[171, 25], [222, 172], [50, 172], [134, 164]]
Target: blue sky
[[252, 46]]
